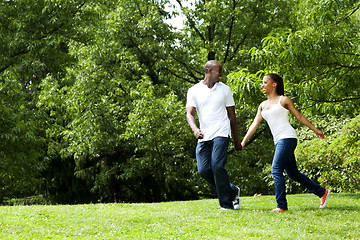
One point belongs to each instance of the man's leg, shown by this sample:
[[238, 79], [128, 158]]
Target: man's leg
[[203, 158], [225, 190]]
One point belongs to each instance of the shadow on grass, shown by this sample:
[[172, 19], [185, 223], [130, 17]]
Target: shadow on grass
[[345, 208], [332, 208], [349, 195]]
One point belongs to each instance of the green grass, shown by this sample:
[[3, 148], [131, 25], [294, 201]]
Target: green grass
[[187, 220]]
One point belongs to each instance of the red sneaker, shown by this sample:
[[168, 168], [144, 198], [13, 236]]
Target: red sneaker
[[324, 199], [279, 210]]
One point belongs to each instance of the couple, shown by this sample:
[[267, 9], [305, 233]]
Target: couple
[[213, 102]]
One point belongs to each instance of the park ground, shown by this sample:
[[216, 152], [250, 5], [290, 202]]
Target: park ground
[[201, 219]]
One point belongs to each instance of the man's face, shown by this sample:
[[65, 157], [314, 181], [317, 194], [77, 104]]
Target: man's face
[[217, 73]]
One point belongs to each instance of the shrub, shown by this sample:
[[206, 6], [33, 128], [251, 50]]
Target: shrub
[[334, 162]]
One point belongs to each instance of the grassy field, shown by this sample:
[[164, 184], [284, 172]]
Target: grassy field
[[187, 220]]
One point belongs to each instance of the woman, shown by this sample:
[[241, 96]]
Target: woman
[[275, 112]]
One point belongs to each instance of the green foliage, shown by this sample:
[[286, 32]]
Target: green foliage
[[31, 200], [246, 88], [34, 38], [226, 31], [157, 130], [93, 93], [250, 169], [335, 162], [20, 126], [318, 57]]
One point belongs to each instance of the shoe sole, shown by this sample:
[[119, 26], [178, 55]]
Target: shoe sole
[[225, 209], [278, 210]]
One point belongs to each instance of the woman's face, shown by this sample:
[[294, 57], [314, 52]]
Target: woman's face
[[268, 85]]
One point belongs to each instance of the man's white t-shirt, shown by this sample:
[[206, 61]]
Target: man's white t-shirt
[[210, 104]]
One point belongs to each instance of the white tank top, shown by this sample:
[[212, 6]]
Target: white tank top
[[278, 121]]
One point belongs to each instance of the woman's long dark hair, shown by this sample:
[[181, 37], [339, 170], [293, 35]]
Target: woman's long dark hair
[[280, 83]]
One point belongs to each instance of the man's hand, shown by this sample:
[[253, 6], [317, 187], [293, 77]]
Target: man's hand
[[237, 146], [199, 134]]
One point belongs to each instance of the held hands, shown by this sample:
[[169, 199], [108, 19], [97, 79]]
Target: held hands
[[242, 145], [237, 146]]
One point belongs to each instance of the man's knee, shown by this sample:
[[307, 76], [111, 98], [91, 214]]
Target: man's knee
[[204, 172], [275, 171], [294, 175], [216, 169]]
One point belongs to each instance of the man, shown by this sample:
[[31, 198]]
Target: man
[[214, 104]]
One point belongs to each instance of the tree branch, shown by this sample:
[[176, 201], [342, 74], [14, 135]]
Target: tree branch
[[241, 41], [229, 39], [346, 66], [62, 24], [181, 77], [349, 15], [25, 51], [190, 71], [334, 101], [192, 23], [238, 46], [230, 33], [14, 56]]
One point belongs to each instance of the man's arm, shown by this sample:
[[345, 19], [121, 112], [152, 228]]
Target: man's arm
[[190, 117], [234, 128]]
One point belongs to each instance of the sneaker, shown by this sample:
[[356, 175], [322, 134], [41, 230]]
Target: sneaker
[[324, 199], [237, 201], [279, 210]]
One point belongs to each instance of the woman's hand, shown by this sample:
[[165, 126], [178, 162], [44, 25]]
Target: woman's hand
[[242, 145], [319, 133]]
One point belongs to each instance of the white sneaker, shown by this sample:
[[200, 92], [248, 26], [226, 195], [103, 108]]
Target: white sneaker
[[237, 201]]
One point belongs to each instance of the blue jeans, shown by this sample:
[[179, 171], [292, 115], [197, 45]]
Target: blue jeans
[[211, 158], [284, 159]]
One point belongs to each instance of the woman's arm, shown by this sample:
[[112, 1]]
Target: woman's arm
[[253, 127], [288, 103]]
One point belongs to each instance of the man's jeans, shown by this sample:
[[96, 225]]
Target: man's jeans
[[211, 158], [284, 159]]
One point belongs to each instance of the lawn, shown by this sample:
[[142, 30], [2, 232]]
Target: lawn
[[187, 220]]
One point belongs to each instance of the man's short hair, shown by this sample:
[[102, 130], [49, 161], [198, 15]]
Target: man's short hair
[[209, 65]]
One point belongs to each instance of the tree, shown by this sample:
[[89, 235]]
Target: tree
[[98, 89], [20, 165], [225, 31], [318, 58], [33, 44]]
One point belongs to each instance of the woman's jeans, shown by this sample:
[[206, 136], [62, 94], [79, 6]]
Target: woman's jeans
[[211, 158], [284, 159]]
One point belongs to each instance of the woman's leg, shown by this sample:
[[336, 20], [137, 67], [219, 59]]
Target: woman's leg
[[284, 149], [293, 173]]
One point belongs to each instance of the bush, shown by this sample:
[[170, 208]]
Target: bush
[[32, 200], [334, 162]]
